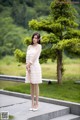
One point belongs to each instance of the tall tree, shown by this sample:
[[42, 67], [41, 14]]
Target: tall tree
[[62, 32], [19, 13]]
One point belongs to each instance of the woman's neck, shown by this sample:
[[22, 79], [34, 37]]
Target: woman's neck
[[35, 44]]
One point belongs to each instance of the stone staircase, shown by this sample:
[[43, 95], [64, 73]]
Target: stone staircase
[[18, 105], [62, 113], [67, 117]]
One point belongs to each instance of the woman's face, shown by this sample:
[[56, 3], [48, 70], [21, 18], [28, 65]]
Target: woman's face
[[35, 39]]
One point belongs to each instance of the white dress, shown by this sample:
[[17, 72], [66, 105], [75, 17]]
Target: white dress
[[32, 56]]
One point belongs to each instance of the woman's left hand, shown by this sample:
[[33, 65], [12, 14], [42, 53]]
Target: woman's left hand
[[28, 67]]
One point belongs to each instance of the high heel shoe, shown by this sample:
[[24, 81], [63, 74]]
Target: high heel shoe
[[35, 109], [31, 109]]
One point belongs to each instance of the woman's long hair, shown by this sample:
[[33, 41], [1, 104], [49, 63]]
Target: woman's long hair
[[38, 37]]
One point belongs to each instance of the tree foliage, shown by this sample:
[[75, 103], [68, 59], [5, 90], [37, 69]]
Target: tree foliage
[[11, 36], [20, 55], [63, 33], [23, 11]]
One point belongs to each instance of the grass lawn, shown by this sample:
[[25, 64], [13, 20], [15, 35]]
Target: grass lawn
[[9, 66], [67, 91]]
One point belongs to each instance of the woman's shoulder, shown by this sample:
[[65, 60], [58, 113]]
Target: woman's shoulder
[[39, 45], [29, 46]]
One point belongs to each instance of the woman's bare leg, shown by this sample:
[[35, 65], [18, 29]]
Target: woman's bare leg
[[32, 94], [36, 94]]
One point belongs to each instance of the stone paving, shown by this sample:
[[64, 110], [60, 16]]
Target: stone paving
[[19, 108]]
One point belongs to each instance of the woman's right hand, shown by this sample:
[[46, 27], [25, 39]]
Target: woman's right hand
[[28, 67]]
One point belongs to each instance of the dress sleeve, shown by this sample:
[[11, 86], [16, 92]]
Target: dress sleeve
[[26, 54], [36, 55]]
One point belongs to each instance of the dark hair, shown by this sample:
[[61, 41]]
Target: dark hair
[[38, 37]]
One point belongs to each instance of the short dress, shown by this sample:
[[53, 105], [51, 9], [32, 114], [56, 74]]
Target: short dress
[[32, 56]]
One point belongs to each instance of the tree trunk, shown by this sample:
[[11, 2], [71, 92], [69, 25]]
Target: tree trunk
[[59, 66]]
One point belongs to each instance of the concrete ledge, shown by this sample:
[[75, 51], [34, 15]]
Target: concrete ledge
[[12, 78], [74, 107], [20, 78], [77, 82]]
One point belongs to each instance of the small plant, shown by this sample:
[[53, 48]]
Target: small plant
[[11, 117]]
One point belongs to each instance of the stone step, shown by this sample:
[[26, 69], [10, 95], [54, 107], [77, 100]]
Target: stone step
[[19, 107], [68, 117], [48, 113]]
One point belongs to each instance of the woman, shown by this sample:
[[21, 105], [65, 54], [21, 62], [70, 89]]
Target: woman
[[34, 75]]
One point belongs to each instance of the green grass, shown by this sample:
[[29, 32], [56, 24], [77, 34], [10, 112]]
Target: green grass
[[9, 66], [4, 84], [67, 91], [11, 117]]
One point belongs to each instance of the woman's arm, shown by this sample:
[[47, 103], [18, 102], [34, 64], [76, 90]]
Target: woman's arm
[[27, 63], [26, 54], [36, 55]]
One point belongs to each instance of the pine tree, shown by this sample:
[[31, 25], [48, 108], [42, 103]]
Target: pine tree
[[63, 34]]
